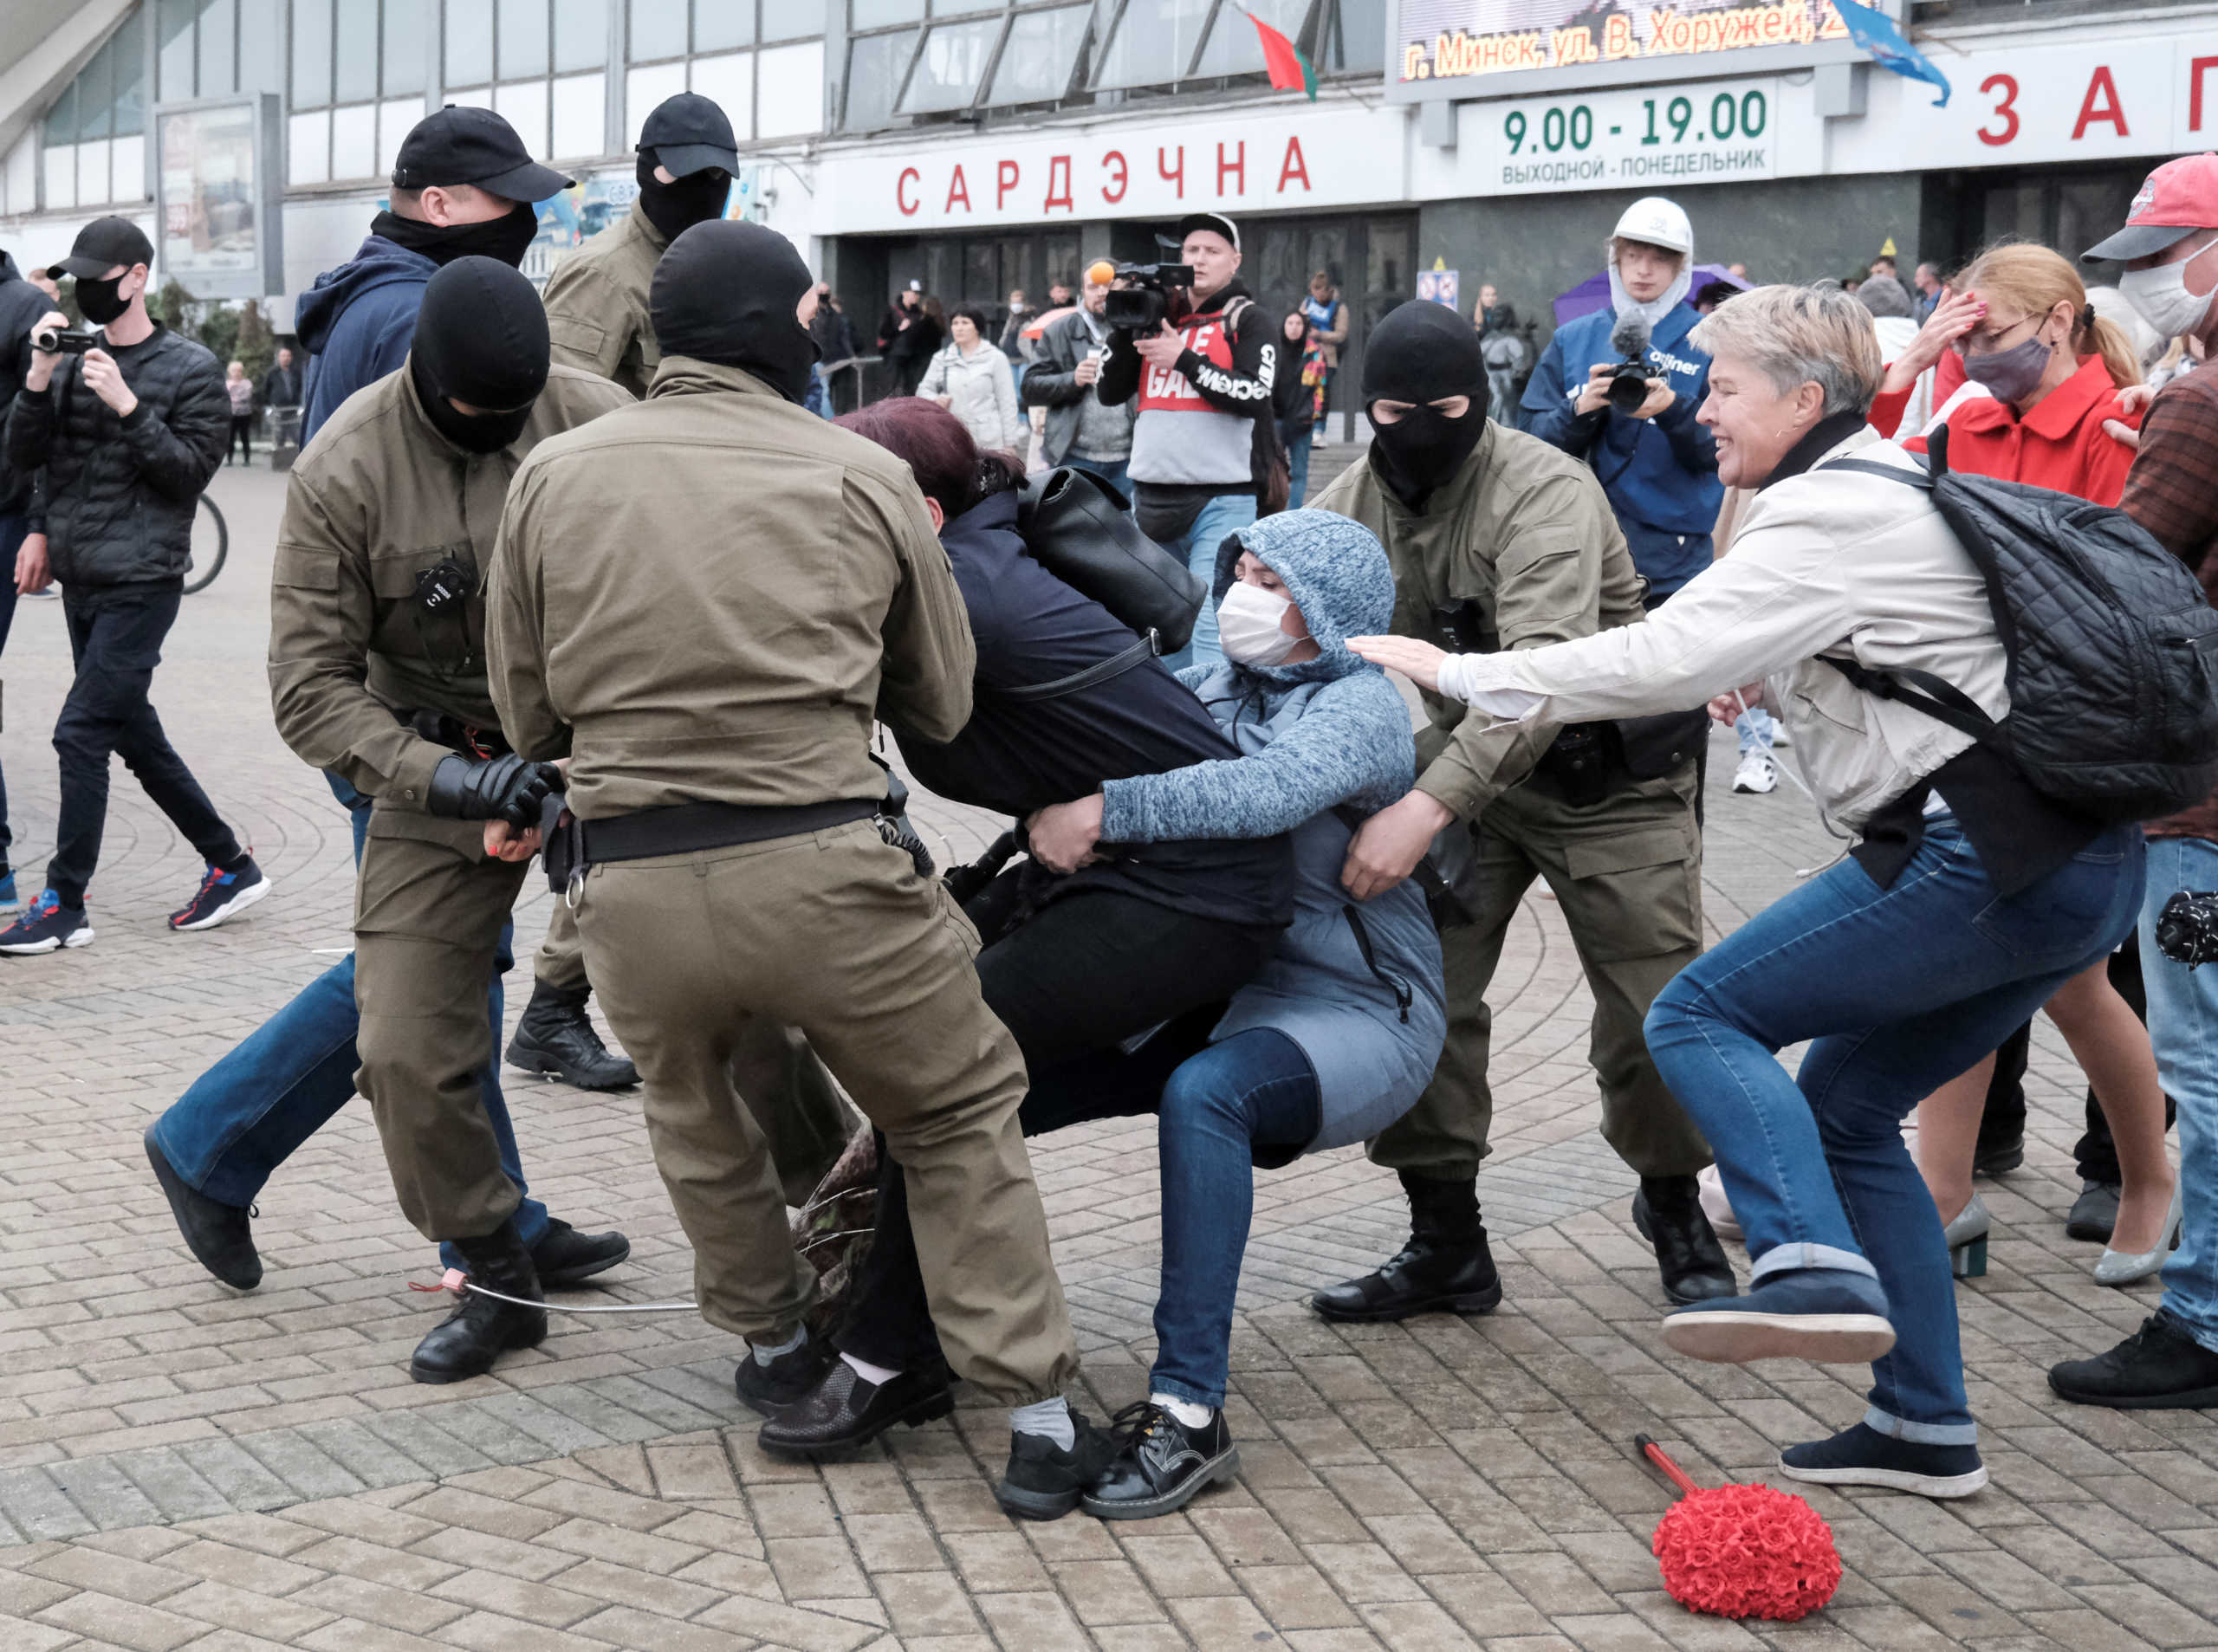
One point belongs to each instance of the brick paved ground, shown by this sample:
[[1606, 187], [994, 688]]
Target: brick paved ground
[[182, 1466]]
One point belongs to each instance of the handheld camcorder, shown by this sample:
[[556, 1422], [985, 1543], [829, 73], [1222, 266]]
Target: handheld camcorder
[[1629, 379], [1141, 304], [65, 340]]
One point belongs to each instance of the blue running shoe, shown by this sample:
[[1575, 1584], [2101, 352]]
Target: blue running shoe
[[47, 927], [1827, 1314], [222, 897], [10, 901]]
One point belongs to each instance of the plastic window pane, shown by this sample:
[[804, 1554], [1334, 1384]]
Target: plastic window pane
[[129, 164], [354, 141], [784, 21], [524, 106], [61, 123], [403, 63], [394, 120], [311, 56], [1042, 50], [1152, 42], [729, 82], [879, 14], [875, 66], [357, 70], [309, 143], [61, 175], [719, 25], [657, 29], [522, 41], [1234, 46], [129, 47], [96, 97], [789, 97], [470, 43], [260, 69], [219, 48], [643, 89], [953, 63], [581, 36], [578, 111], [470, 97], [1354, 40], [92, 172], [174, 26]]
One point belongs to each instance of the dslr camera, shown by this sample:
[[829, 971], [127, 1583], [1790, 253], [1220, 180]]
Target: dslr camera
[[1142, 302], [1628, 377], [65, 340]]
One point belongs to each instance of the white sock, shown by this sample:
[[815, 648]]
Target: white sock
[[767, 1351], [879, 1375], [1049, 1419], [1193, 1415]]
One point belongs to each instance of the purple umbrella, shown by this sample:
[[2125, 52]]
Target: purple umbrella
[[1593, 292]]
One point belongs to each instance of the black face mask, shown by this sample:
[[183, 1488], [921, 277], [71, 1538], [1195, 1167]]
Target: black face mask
[[506, 238], [480, 338], [727, 292], [675, 208], [1423, 353], [101, 302]]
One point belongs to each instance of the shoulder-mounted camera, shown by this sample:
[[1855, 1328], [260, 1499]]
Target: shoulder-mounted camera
[[1140, 300]]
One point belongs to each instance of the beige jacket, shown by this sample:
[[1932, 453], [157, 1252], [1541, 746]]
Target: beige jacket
[[708, 596], [597, 303], [1525, 534], [1829, 561], [379, 497]]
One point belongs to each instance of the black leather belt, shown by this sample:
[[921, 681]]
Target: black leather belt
[[687, 827]]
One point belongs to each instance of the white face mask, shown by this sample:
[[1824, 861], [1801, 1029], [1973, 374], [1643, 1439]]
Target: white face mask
[[2161, 297], [1248, 626]]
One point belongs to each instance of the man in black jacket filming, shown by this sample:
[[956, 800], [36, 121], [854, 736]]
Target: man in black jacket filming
[[128, 433]]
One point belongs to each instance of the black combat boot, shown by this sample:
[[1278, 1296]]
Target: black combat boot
[[219, 1235], [1445, 1268], [483, 1328], [1668, 1212], [555, 1036]]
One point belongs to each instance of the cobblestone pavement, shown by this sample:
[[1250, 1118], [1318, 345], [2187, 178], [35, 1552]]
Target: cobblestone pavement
[[184, 1467]]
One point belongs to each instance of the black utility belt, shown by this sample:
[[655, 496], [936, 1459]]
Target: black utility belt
[[443, 728], [1589, 760], [574, 846]]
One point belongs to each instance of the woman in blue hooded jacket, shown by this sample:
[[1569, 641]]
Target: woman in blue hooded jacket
[[1336, 1035]]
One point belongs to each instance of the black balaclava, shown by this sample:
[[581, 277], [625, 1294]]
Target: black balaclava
[[675, 208], [727, 292], [507, 238], [480, 338], [1420, 353]]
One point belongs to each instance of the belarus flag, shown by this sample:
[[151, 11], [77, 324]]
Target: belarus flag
[[1290, 70]]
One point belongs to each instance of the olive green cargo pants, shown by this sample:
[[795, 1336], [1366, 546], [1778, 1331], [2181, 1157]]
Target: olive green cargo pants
[[833, 934], [1626, 874]]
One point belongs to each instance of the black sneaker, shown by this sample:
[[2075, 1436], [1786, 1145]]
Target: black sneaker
[[2094, 1213], [843, 1410], [46, 926], [219, 1235], [1162, 1465], [1863, 1456], [2158, 1368], [1044, 1481], [768, 1390], [564, 1257], [223, 895]]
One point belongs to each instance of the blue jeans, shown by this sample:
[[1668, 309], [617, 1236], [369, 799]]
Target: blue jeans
[[1900, 989], [12, 532], [1109, 470], [1297, 467], [1255, 1089], [819, 399], [1225, 514], [2184, 1026], [1757, 729], [244, 1116]]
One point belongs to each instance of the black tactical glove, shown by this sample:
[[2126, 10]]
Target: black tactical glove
[[497, 789]]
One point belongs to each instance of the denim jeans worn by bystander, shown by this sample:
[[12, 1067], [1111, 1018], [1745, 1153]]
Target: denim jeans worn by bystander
[[1226, 513], [1111, 471], [12, 531]]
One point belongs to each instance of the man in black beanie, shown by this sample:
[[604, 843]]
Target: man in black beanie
[[705, 601], [1500, 540]]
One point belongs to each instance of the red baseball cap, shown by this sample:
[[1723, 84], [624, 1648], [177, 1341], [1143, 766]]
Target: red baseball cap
[[2178, 199]]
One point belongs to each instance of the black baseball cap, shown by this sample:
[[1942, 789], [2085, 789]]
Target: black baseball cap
[[474, 147], [1214, 223], [100, 246], [689, 133]]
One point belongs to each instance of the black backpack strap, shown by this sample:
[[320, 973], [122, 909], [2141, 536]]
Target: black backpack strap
[[1892, 472], [1938, 698], [1139, 654]]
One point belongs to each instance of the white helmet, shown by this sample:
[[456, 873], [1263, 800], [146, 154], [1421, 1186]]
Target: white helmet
[[1658, 222]]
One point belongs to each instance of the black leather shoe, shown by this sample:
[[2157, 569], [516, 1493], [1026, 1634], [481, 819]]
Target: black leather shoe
[[767, 1391], [1445, 1268], [844, 1410], [2094, 1213], [1161, 1464], [1043, 1481], [218, 1235], [564, 1257], [1668, 1212], [1999, 1158], [483, 1328], [2158, 1368], [555, 1036]]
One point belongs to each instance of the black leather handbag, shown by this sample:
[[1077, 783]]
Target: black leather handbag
[[1082, 531]]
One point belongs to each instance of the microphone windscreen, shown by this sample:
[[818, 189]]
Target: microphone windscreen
[[1629, 337]]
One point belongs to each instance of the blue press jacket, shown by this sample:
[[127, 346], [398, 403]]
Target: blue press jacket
[[357, 322], [1659, 473]]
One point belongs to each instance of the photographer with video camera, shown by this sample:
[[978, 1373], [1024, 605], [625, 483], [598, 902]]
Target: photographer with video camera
[[1619, 388], [129, 425], [1189, 342]]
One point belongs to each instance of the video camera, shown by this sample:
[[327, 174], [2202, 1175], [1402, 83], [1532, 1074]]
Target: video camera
[[65, 340], [1142, 303], [1629, 379]]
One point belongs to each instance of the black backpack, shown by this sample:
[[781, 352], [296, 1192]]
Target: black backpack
[[2113, 647]]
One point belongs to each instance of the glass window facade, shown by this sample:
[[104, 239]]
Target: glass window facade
[[92, 146], [773, 92]]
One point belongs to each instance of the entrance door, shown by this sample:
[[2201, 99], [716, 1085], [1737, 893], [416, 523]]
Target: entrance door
[[1370, 260]]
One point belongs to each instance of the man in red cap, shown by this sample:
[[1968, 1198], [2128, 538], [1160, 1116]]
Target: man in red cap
[[2170, 248]]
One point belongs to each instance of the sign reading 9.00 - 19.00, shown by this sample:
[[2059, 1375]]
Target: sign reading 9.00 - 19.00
[[1648, 137]]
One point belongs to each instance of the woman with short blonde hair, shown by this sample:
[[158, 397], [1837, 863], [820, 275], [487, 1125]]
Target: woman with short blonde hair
[[1966, 900]]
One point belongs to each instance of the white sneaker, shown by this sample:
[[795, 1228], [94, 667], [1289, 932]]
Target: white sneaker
[[1757, 772]]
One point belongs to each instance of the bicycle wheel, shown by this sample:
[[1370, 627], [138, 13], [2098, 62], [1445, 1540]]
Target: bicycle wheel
[[212, 543]]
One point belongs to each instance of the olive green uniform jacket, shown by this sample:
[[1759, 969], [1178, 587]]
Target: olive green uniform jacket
[[597, 304]]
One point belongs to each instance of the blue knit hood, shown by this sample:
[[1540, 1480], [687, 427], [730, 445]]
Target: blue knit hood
[[1337, 574]]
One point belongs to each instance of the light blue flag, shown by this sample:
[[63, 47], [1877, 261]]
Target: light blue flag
[[1876, 34]]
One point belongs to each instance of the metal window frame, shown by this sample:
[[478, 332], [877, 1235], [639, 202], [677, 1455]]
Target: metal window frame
[[1317, 15]]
